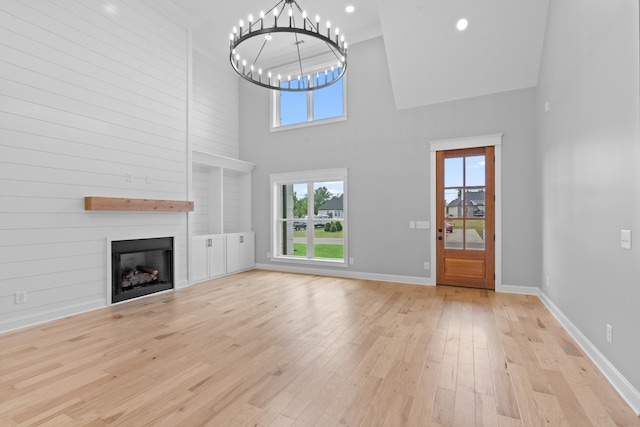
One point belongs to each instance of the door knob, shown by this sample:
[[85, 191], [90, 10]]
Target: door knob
[[439, 237], [439, 230]]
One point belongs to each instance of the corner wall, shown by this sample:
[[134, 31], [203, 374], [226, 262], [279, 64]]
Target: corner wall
[[589, 147]]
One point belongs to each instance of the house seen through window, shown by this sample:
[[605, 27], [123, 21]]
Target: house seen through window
[[310, 217]]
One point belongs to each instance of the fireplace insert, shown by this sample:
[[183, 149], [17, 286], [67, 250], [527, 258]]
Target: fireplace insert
[[141, 267]]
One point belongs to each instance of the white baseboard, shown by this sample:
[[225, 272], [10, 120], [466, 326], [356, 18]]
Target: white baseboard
[[627, 391], [47, 316], [520, 290], [348, 274]]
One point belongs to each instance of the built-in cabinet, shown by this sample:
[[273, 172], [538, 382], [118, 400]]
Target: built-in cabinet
[[209, 257], [222, 241], [240, 252]]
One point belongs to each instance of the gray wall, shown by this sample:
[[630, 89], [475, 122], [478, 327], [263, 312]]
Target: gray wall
[[387, 153], [589, 153]]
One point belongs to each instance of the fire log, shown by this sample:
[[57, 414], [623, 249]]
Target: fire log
[[149, 270], [133, 277]]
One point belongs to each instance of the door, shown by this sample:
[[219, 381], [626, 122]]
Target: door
[[234, 260], [217, 260], [200, 261], [465, 218]]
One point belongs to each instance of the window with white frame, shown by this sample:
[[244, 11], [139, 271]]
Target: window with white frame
[[309, 217], [295, 109]]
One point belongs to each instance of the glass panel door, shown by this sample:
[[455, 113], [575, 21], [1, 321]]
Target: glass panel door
[[464, 195]]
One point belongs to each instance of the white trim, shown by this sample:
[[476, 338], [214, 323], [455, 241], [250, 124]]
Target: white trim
[[494, 140], [308, 177], [347, 274], [210, 159], [627, 391], [316, 175], [39, 318], [520, 290], [309, 123], [467, 142], [274, 125]]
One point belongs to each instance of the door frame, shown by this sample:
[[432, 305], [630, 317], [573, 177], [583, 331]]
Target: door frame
[[494, 140]]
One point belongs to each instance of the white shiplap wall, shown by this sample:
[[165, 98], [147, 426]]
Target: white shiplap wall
[[202, 200], [214, 119], [88, 93], [215, 130], [231, 202]]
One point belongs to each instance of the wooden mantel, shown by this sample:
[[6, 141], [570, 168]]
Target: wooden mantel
[[123, 204]]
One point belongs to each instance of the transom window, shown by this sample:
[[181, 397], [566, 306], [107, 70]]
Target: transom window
[[309, 217], [295, 109]]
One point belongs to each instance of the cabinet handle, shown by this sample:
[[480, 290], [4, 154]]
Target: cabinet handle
[[241, 239], [209, 242]]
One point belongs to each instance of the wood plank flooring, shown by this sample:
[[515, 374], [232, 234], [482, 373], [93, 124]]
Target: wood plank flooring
[[281, 350]]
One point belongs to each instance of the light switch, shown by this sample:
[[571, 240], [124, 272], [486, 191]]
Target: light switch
[[412, 224], [625, 239], [422, 224]]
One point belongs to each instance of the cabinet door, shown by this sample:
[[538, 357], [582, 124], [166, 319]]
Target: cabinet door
[[200, 263], [234, 260], [248, 251], [217, 259]]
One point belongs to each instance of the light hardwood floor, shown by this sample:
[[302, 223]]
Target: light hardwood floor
[[273, 349]]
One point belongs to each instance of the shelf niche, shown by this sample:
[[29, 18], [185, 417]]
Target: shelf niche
[[222, 190]]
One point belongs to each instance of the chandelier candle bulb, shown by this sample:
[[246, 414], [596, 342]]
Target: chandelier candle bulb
[[251, 55]]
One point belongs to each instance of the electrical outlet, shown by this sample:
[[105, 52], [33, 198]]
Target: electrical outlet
[[149, 179], [129, 177], [426, 266], [21, 297], [625, 239], [548, 282], [351, 260], [609, 333]]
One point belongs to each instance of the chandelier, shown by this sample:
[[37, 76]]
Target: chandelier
[[283, 40]]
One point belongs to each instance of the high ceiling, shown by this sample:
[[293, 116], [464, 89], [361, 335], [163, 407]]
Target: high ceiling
[[430, 61]]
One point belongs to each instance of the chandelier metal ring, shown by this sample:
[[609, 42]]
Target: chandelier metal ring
[[247, 70]]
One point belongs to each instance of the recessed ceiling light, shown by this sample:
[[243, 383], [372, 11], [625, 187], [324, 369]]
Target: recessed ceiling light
[[350, 9], [462, 24]]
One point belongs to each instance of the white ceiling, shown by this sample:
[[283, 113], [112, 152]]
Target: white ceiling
[[430, 61]]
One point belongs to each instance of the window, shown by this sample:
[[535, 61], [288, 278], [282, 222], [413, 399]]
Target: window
[[295, 109], [309, 217]]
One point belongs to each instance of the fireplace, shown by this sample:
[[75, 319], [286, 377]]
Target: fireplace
[[141, 267]]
